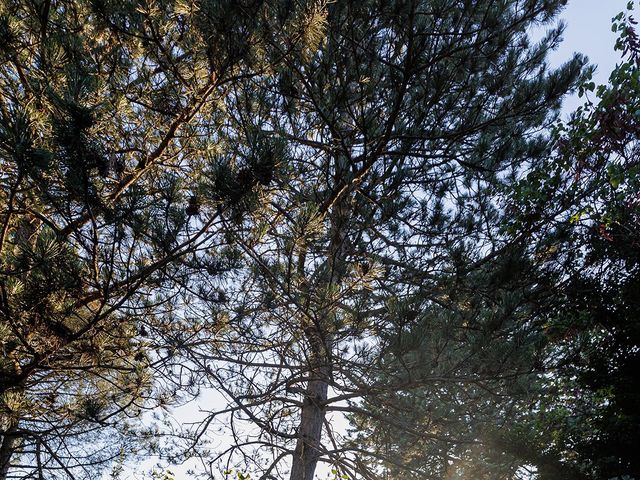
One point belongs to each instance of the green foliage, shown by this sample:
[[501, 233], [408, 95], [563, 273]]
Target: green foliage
[[314, 208], [110, 115], [583, 425]]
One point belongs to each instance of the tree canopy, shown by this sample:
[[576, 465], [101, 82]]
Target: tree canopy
[[324, 212]]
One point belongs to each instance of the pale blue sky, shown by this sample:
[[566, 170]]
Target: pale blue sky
[[589, 32]]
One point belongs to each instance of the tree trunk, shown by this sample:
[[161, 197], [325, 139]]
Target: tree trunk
[[9, 439], [320, 337], [308, 446]]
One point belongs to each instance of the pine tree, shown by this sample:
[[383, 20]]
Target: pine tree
[[377, 265], [112, 115]]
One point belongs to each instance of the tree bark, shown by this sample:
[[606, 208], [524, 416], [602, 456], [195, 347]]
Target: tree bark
[[308, 447], [9, 439], [320, 340]]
